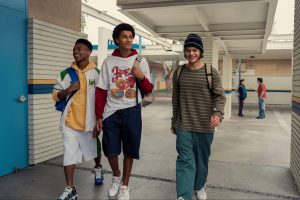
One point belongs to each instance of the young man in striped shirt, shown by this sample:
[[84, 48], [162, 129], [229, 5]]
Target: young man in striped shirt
[[197, 110]]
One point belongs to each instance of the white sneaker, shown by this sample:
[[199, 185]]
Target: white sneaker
[[69, 194], [114, 187], [201, 195], [124, 193], [98, 176]]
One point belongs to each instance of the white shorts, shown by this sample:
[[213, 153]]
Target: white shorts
[[78, 144]]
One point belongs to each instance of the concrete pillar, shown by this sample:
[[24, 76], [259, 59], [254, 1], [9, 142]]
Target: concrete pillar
[[227, 84], [103, 36], [211, 52]]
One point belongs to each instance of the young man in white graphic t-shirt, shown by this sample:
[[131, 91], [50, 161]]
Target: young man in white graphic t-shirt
[[118, 109]]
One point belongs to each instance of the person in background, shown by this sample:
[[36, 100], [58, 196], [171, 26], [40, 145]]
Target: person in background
[[242, 96], [262, 95]]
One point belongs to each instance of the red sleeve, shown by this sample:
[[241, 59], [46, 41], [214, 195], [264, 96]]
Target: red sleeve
[[101, 98], [145, 86]]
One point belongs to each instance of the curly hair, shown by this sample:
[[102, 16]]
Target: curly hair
[[122, 27]]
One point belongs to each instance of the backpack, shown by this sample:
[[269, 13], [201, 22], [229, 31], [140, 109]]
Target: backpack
[[149, 98], [208, 72], [61, 104]]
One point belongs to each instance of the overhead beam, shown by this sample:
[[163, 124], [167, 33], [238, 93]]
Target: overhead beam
[[238, 26], [178, 29], [270, 21], [140, 21], [86, 9], [136, 4], [223, 45], [201, 19]]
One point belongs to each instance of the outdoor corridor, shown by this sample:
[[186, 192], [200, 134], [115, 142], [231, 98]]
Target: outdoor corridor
[[250, 160]]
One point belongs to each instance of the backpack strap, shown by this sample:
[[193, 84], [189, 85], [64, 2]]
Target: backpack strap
[[178, 72], [73, 75], [137, 63], [74, 79], [209, 78]]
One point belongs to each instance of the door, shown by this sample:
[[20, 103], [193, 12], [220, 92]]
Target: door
[[13, 84]]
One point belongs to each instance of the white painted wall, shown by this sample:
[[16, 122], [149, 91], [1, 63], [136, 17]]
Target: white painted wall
[[50, 52]]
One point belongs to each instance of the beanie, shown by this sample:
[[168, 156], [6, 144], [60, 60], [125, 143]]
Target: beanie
[[194, 40]]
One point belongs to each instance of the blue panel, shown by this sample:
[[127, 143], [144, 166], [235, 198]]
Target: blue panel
[[18, 5], [40, 88], [13, 63]]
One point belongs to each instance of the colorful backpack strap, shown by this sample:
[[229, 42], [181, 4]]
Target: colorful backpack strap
[[73, 75]]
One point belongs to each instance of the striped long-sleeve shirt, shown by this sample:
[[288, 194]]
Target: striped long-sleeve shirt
[[193, 103]]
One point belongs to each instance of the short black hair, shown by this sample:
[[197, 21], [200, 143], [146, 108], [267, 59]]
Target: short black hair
[[242, 80], [122, 27], [260, 80], [85, 42]]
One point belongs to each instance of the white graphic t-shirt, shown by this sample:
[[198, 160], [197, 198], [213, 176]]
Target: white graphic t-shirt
[[116, 78]]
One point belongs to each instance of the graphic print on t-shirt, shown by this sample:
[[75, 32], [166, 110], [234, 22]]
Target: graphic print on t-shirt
[[124, 83]]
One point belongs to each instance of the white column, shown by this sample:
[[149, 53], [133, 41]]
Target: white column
[[103, 36], [227, 84], [211, 52]]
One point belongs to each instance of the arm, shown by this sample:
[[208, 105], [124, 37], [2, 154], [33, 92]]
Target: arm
[[143, 74], [145, 86], [61, 90], [63, 94], [218, 95], [101, 95], [101, 99]]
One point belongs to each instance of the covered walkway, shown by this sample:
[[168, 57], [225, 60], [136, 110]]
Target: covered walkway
[[250, 160]]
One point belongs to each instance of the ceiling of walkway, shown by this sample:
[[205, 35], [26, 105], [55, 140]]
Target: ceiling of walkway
[[241, 27]]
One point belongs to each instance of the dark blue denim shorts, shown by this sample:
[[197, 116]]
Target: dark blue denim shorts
[[123, 129]]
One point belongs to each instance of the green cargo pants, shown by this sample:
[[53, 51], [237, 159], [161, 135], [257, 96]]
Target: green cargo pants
[[193, 150]]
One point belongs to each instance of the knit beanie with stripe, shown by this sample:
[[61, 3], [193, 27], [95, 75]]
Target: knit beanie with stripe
[[194, 40]]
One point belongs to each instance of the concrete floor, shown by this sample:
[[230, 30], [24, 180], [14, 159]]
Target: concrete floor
[[250, 160]]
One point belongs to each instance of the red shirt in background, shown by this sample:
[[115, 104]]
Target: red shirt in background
[[262, 88]]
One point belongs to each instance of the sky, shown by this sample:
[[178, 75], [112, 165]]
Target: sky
[[283, 21]]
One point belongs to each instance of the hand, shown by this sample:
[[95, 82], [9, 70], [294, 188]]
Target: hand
[[73, 87], [137, 72], [243, 101], [99, 125], [96, 133], [173, 130], [215, 121]]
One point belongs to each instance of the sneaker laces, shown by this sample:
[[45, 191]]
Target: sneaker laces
[[123, 190], [66, 192]]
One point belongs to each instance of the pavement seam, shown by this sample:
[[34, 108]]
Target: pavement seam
[[250, 164], [174, 181]]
